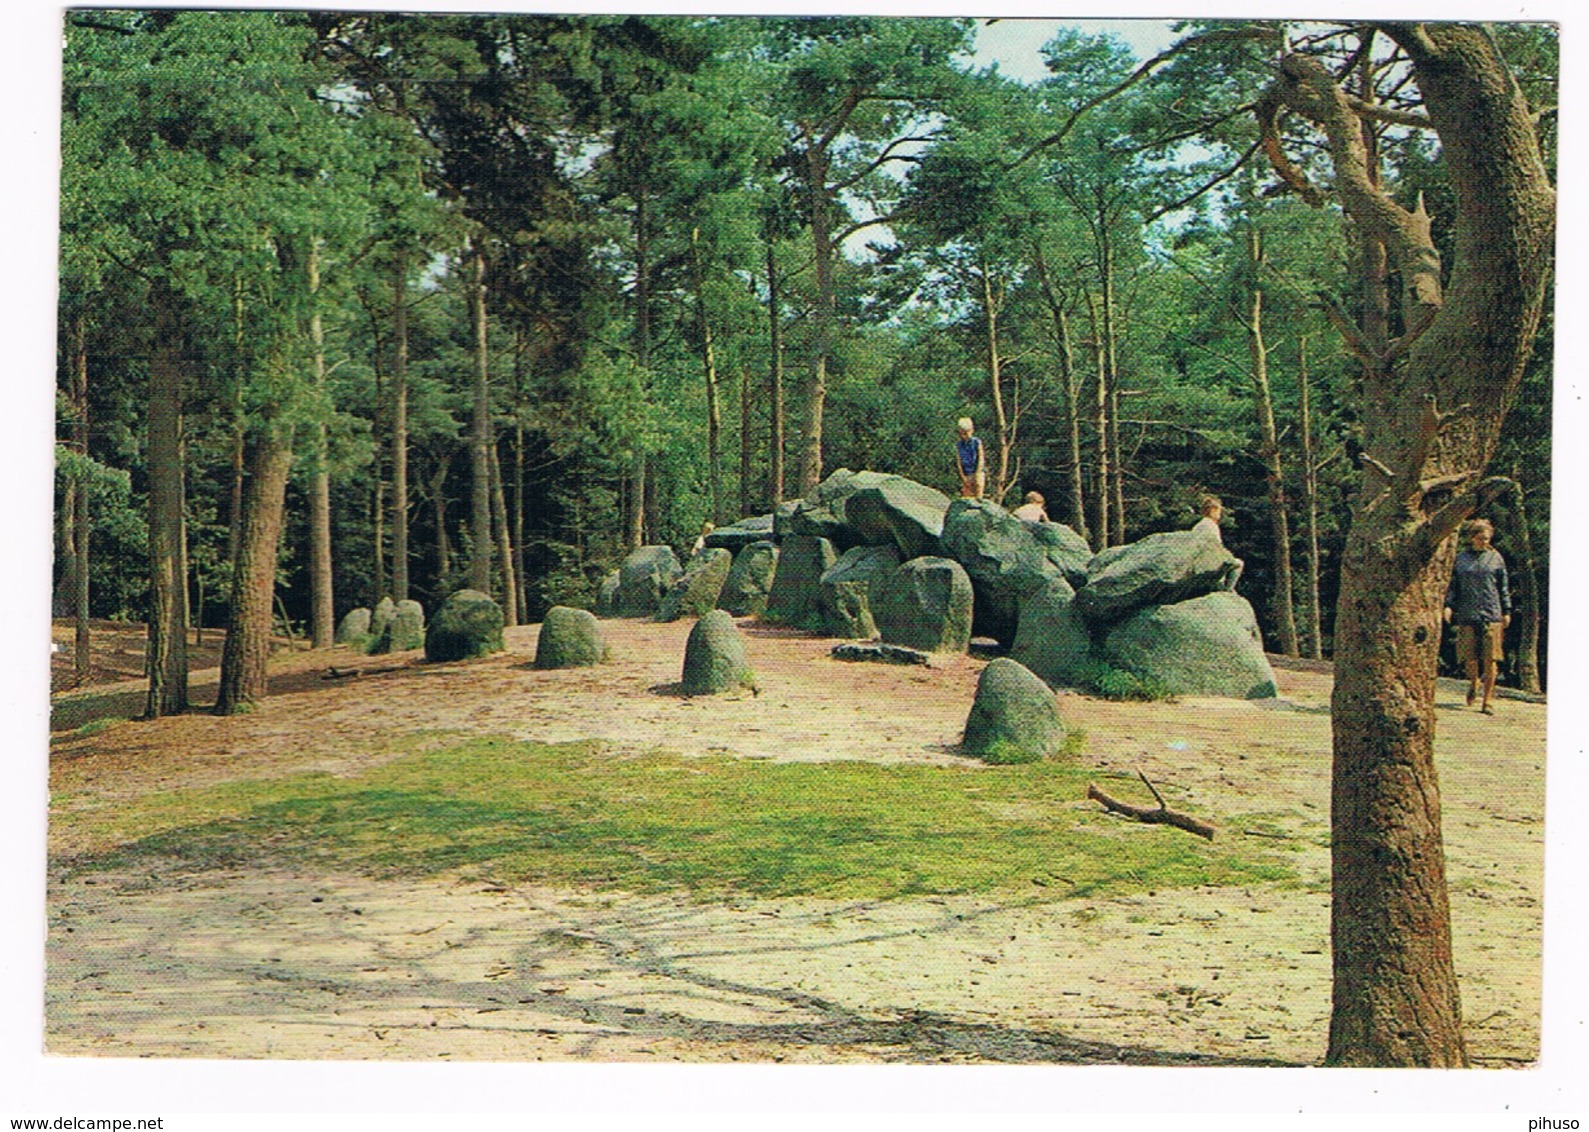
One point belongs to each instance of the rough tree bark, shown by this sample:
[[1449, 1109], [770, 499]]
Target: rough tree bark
[[1310, 507], [167, 656], [480, 549], [80, 512], [1527, 593], [243, 660], [1076, 507], [775, 439], [1433, 404], [399, 426], [322, 603]]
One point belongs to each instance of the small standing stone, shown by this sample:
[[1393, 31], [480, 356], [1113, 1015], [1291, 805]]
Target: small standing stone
[[570, 638], [1015, 718], [354, 628], [468, 624], [714, 657]]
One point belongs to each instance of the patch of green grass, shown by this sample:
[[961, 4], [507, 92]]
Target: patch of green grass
[[95, 726], [1111, 683], [576, 813]]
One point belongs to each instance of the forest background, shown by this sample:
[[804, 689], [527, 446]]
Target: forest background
[[1157, 509]]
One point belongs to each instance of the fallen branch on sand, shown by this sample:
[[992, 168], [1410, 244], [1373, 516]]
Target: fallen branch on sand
[[335, 673], [1161, 816]]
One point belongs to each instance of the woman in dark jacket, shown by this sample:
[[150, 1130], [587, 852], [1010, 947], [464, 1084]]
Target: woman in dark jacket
[[1479, 607]]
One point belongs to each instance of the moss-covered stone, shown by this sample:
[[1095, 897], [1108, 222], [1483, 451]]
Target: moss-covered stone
[[796, 594], [380, 617], [1014, 718], [570, 638], [1207, 646], [1050, 638], [645, 576], [354, 628], [404, 630], [714, 657], [846, 586], [468, 624], [1160, 569], [1002, 557]]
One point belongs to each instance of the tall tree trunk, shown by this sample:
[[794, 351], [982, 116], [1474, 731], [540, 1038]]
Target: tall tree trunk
[[480, 438], [1075, 505], [821, 321], [636, 525], [1100, 423], [80, 509], [1117, 478], [399, 426], [775, 439], [1394, 994], [1527, 593], [744, 440], [991, 301], [1282, 599], [438, 503], [714, 412], [378, 575], [322, 601], [243, 661], [504, 542], [167, 656], [1310, 506], [239, 430], [518, 474]]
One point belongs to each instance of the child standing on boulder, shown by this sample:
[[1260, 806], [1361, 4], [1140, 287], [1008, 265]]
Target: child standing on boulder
[[969, 461]]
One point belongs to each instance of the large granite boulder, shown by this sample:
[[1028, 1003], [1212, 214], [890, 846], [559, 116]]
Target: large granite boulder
[[570, 638], [1050, 638], [607, 595], [1208, 645], [1014, 718], [887, 510], [1003, 559], [354, 628], [925, 604], [697, 589], [737, 536], [404, 630], [1161, 569], [644, 578], [749, 580], [1064, 548], [467, 624], [844, 598], [714, 657], [820, 514], [796, 594]]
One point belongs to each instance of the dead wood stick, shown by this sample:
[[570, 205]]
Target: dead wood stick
[[1163, 815], [335, 673]]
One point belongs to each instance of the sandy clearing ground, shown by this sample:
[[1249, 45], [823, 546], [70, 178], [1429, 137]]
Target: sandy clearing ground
[[276, 964]]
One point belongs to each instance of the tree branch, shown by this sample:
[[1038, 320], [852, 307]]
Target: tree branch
[[1163, 815]]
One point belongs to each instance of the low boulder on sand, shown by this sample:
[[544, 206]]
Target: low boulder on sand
[[404, 630], [570, 638], [1208, 646], [714, 657], [1014, 718], [925, 604], [467, 624]]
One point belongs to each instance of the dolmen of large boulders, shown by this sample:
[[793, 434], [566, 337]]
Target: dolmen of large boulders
[[1002, 557], [749, 581], [1014, 718], [404, 630], [696, 590], [354, 628], [569, 638], [714, 657], [1160, 569], [643, 581], [468, 624], [735, 537]]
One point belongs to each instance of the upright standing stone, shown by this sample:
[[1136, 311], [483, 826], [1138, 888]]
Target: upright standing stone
[[1050, 638], [697, 589], [846, 585], [405, 630], [645, 576], [1015, 718], [607, 596], [354, 628], [714, 657], [925, 604], [795, 598], [569, 638], [467, 624], [749, 580], [385, 610]]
